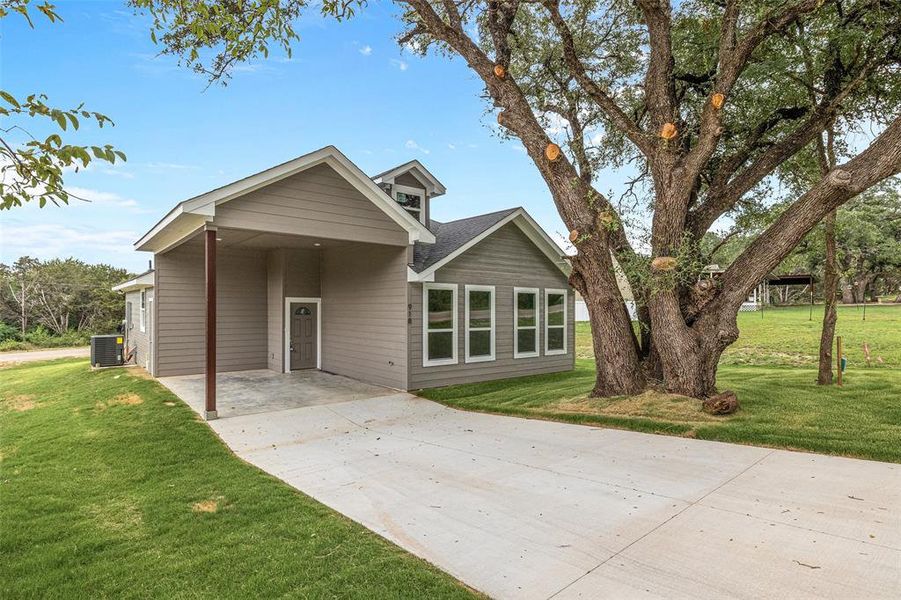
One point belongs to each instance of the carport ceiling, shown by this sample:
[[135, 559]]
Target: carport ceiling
[[242, 238]]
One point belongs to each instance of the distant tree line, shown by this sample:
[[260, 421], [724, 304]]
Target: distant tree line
[[58, 298], [868, 241]]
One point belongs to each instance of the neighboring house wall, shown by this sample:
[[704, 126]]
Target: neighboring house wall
[[506, 259], [242, 341], [318, 203], [364, 313], [290, 273], [134, 337], [583, 316]]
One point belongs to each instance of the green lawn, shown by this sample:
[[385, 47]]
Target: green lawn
[[111, 487], [772, 368]]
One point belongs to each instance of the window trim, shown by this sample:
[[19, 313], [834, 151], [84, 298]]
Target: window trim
[[493, 329], [406, 189], [516, 327], [547, 325], [453, 360], [143, 311]]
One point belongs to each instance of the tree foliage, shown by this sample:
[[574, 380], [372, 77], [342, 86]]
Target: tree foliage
[[32, 168], [868, 239], [60, 295]]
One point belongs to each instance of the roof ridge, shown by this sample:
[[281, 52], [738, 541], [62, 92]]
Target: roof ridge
[[488, 214]]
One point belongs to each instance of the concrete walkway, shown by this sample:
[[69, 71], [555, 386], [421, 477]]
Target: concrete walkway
[[519, 508], [34, 355]]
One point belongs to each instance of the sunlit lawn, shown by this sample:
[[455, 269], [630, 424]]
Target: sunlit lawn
[[110, 487], [772, 368]]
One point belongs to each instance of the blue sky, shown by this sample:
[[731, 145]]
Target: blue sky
[[348, 84]]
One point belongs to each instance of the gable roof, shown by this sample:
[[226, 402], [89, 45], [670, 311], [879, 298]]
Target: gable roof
[[415, 168], [456, 237], [453, 235], [190, 215], [138, 282]]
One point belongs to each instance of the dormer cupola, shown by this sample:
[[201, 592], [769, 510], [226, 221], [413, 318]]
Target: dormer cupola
[[412, 186]]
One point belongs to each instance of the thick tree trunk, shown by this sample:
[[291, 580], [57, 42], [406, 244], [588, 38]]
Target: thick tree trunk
[[619, 368], [830, 287], [847, 293], [690, 355], [860, 288]]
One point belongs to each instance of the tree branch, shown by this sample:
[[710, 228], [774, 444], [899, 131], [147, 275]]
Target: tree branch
[[732, 59], [659, 83], [725, 193], [882, 159], [620, 119]]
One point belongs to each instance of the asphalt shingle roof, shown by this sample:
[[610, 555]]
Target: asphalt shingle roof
[[452, 235]]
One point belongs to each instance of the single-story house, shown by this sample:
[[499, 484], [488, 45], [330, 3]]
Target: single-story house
[[314, 265]]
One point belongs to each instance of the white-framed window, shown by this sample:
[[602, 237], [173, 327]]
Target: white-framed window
[[479, 323], [525, 322], [555, 322], [143, 311], [439, 324], [411, 199]]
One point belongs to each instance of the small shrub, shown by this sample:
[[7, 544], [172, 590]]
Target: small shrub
[[41, 337], [11, 345], [8, 333]]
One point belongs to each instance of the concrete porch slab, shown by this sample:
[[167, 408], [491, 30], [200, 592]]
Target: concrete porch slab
[[262, 391]]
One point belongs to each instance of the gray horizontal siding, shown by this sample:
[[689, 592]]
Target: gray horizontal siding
[[135, 339], [506, 259], [364, 313], [317, 202], [241, 327], [292, 273]]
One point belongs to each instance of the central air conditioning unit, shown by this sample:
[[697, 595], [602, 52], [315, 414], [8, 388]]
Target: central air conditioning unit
[[106, 350]]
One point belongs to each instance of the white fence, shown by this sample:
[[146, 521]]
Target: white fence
[[582, 310]]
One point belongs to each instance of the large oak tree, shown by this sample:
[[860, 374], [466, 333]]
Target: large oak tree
[[706, 100]]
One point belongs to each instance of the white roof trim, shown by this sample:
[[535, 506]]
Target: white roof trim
[[521, 219], [205, 204], [435, 187], [142, 281]]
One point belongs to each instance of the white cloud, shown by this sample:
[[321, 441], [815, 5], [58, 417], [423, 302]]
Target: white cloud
[[412, 145], [98, 197], [52, 240], [366, 50], [451, 147], [400, 64], [118, 173]]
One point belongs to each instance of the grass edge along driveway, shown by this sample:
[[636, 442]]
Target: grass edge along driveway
[[781, 408], [772, 368], [112, 487]]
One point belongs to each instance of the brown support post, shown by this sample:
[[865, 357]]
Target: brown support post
[[210, 268]]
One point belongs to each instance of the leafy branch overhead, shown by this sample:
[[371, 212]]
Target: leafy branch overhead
[[211, 37], [32, 168]]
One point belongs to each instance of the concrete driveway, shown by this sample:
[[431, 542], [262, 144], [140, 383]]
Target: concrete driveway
[[519, 508]]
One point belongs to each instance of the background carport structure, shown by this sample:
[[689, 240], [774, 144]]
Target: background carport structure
[[314, 229]]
